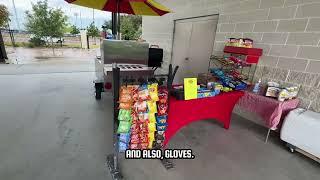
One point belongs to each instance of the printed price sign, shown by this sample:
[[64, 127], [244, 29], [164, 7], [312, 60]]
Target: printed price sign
[[190, 88]]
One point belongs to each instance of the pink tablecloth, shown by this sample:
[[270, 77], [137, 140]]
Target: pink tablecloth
[[270, 110]]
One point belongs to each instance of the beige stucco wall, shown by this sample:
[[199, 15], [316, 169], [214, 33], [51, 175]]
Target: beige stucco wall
[[287, 30]]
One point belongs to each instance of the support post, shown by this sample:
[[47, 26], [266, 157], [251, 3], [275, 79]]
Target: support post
[[3, 53], [112, 159]]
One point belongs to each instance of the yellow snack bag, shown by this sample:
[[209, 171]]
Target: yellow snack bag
[[152, 106], [150, 144], [151, 139], [152, 127], [153, 91], [152, 118]]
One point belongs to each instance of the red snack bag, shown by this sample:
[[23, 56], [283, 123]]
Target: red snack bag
[[144, 128], [163, 95], [144, 138], [162, 109], [140, 106], [135, 128], [134, 116], [134, 92], [135, 139], [143, 93], [134, 146], [144, 145], [143, 117]]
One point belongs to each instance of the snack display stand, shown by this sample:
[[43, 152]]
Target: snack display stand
[[124, 77], [240, 62]]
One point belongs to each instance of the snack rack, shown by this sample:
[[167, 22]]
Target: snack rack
[[137, 74], [240, 58]]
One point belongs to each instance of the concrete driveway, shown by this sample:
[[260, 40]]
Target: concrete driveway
[[22, 55], [51, 126]]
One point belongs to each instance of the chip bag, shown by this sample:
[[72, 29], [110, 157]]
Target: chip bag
[[160, 135], [134, 146], [157, 145], [125, 105], [161, 120], [124, 127], [144, 127], [135, 139], [125, 95], [151, 140], [140, 106], [124, 115], [152, 118], [163, 95], [143, 93], [122, 146], [124, 137], [144, 138], [144, 145], [152, 127], [162, 127], [153, 91], [152, 106], [150, 145], [135, 128], [162, 109], [143, 117]]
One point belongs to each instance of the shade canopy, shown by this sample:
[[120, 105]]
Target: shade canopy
[[136, 7]]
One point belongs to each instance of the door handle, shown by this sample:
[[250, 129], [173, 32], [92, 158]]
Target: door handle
[[187, 59]]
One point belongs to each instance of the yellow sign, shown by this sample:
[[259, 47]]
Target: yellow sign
[[190, 88]]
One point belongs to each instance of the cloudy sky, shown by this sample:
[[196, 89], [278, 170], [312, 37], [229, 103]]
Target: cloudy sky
[[79, 16]]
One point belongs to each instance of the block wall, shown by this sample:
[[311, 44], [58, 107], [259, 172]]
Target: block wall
[[287, 30]]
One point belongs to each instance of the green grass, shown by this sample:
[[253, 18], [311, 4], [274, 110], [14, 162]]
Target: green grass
[[20, 44]]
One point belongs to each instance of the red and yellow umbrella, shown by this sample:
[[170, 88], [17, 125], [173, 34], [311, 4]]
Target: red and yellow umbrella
[[136, 7]]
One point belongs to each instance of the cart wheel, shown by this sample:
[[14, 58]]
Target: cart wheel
[[98, 95], [292, 148], [99, 89]]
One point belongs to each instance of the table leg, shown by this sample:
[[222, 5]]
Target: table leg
[[269, 130]]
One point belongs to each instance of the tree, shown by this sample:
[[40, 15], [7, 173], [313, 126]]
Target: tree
[[4, 15], [45, 22], [93, 31], [107, 24], [130, 27], [4, 19], [74, 30]]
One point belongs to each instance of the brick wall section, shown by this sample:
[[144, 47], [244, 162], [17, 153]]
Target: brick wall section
[[287, 30]]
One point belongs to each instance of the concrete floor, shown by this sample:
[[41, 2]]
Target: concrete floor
[[51, 127]]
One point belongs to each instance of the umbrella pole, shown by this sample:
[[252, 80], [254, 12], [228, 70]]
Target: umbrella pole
[[118, 19], [114, 25]]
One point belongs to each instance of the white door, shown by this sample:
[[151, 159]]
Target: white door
[[193, 45]]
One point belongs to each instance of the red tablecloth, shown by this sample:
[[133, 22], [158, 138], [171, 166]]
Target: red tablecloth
[[182, 113], [270, 110]]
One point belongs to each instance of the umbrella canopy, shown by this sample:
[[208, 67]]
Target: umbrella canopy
[[136, 7]]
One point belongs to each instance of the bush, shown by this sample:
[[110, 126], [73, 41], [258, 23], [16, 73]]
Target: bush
[[35, 41]]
